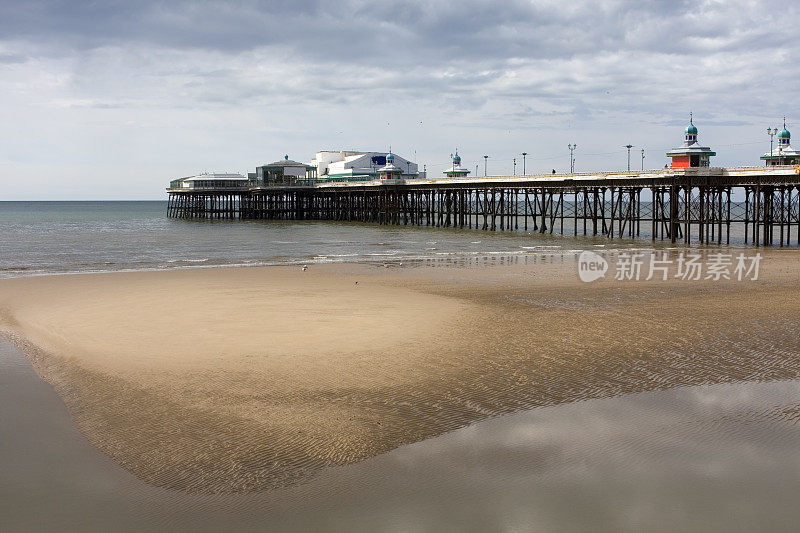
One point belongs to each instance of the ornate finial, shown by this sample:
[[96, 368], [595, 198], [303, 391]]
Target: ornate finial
[[784, 122], [691, 117]]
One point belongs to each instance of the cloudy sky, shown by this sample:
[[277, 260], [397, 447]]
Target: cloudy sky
[[111, 100]]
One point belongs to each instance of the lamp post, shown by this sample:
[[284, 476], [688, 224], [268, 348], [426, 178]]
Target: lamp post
[[523, 163], [571, 157], [629, 146], [515, 166], [485, 160], [642, 158], [771, 132]]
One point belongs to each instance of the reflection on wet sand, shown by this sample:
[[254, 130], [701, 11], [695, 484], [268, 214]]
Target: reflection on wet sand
[[715, 457]]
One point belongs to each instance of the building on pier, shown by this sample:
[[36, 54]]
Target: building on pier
[[283, 172], [213, 180], [456, 171], [691, 154], [358, 166], [784, 154], [389, 173]]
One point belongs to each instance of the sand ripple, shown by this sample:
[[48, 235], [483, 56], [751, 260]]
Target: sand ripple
[[234, 429]]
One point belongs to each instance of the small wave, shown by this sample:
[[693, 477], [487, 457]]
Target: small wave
[[187, 260]]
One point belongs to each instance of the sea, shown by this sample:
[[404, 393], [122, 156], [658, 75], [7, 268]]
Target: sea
[[42, 238]]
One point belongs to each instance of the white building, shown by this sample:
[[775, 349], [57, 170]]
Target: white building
[[213, 180], [358, 166], [456, 171]]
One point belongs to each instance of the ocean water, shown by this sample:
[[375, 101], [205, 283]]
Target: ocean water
[[39, 238]]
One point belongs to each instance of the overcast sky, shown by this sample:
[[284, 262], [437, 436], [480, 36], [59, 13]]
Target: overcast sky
[[111, 100]]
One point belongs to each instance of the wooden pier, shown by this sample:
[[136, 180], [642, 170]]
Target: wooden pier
[[681, 205]]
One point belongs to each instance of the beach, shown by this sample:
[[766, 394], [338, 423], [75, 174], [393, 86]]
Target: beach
[[246, 379]]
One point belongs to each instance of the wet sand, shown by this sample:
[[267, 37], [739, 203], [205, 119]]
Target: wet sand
[[703, 458], [240, 380]]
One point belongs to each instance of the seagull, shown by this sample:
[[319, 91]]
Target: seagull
[[305, 267]]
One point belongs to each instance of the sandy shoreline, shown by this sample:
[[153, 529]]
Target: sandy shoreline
[[245, 379]]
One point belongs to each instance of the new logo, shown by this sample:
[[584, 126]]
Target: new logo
[[591, 266]]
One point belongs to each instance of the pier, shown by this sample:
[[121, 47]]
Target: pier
[[694, 204]]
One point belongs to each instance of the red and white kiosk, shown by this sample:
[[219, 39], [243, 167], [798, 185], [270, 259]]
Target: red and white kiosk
[[390, 174], [691, 154]]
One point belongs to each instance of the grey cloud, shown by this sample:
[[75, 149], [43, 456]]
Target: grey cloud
[[404, 32], [12, 58]]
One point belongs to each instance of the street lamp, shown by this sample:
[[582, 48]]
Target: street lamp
[[629, 146], [523, 163], [771, 132], [571, 158], [643, 159], [515, 166], [485, 160]]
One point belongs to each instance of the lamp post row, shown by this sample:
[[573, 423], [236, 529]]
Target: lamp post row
[[770, 131], [571, 148]]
